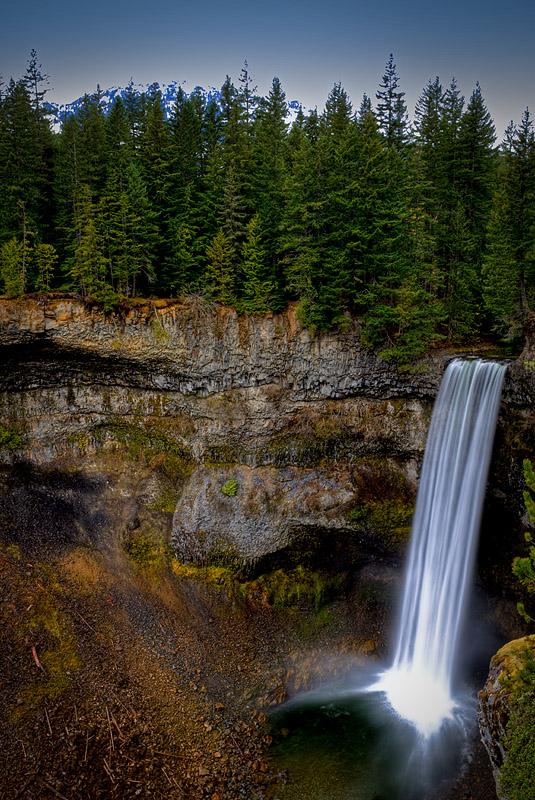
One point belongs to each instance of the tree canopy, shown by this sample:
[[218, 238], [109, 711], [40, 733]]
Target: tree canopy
[[424, 229]]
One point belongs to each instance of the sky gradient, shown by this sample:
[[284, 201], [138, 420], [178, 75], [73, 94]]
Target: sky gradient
[[308, 45]]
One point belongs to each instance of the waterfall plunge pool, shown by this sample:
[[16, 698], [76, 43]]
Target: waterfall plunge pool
[[346, 742]]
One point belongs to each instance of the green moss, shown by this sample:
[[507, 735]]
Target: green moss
[[147, 441], [82, 442], [518, 771], [310, 450], [139, 438], [216, 576], [389, 518], [359, 513], [283, 589], [288, 588], [166, 502], [148, 551], [230, 488], [43, 630], [158, 331], [220, 455], [392, 519], [10, 438]]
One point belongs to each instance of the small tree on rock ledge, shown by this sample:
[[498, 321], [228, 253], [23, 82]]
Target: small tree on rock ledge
[[524, 568]]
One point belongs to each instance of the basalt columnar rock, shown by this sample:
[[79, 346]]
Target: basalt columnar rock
[[317, 431]]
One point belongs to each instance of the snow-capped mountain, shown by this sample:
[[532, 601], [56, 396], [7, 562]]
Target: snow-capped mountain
[[59, 112]]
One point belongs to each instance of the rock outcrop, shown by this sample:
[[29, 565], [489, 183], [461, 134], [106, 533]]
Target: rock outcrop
[[497, 698]]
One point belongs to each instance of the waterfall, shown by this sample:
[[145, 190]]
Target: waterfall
[[419, 683]]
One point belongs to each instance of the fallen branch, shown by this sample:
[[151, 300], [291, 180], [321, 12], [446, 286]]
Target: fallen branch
[[48, 721], [84, 621], [50, 788], [236, 745], [26, 786], [108, 770], [112, 745]]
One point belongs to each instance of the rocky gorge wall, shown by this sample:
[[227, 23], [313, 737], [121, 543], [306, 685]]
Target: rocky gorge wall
[[314, 433]]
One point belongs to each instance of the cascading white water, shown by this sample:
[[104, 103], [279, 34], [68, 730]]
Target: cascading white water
[[419, 684]]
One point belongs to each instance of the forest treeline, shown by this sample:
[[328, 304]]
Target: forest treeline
[[424, 228]]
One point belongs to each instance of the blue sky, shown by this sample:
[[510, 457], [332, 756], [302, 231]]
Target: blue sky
[[308, 45]]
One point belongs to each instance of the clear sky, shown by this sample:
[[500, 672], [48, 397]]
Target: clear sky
[[308, 45]]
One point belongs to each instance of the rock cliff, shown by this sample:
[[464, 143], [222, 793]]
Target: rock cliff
[[316, 431]]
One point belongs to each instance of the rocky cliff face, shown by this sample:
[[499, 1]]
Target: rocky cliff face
[[289, 417], [313, 432]]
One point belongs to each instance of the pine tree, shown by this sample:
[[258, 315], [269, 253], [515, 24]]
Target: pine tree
[[237, 117], [509, 267], [119, 148], [134, 106], [258, 292], [144, 234], [364, 109], [35, 82], [427, 130], [67, 184], [270, 164], [232, 212], [184, 267], [25, 166], [299, 245], [91, 148], [211, 133], [186, 144], [155, 153], [45, 259], [391, 112], [305, 224], [88, 266], [11, 267], [113, 224], [220, 275], [477, 170]]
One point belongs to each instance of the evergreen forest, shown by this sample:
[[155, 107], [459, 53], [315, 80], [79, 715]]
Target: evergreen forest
[[423, 227]]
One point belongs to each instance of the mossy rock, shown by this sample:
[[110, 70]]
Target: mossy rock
[[517, 694], [148, 551], [10, 438]]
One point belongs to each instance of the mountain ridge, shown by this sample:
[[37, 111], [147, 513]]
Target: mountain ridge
[[60, 111]]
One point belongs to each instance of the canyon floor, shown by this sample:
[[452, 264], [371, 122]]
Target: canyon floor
[[126, 674]]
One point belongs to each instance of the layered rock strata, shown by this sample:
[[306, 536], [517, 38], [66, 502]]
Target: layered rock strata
[[315, 432]]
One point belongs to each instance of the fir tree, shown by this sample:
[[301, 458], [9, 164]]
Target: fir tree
[[269, 169], [11, 267], [391, 111], [220, 275], [88, 264], [36, 82], [25, 165], [45, 259], [185, 257], [258, 293], [509, 268]]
